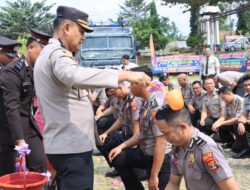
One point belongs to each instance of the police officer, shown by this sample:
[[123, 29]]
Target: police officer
[[242, 148], [229, 119], [233, 79], [212, 108], [17, 126], [196, 157], [98, 97], [195, 104], [69, 119], [152, 153], [8, 50], [169, 84], [210, 65], [186, 88]]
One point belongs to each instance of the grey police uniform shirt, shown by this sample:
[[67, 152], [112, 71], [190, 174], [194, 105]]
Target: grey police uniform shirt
[[234, 109], [213, 66], [101, 96], [117, 106], [228, 77], [187, 93], [148, 129], [203, 164], [246, 106], [130, 113], [213, 104], [197, 101], [66, 108]]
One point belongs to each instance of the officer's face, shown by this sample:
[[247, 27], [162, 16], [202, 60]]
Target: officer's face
[[4, 59], [173, 134], [74, 36], [197, 89], [34, 50], [247, 86], [207, 52], [226, 97], [209, 85], [182, 81], [135, 89]]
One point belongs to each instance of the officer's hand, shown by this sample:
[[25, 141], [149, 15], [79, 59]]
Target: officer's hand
[[202, 123], [103, 137], [139, 77], [153, 183], [97, 117], [241, 129], [216, 127], [242, 120], [191, 109], [114, 152], [22, 143]]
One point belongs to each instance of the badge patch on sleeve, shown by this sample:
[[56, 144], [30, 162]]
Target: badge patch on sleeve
[[210, 161], [133, 105]]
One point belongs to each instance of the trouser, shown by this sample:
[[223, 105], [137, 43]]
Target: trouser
[[195, 117], [241, 141], [226, 133], [74, 171], [239, 89], [104, 123], [134, 158], [35, 161], [207, 128]]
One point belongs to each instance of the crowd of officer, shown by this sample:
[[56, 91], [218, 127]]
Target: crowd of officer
[[130, 123]]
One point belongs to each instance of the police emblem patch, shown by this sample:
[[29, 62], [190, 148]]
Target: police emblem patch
[[210, 161]]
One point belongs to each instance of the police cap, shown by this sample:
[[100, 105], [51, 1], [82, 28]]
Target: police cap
[[40, 37], [9, 46], [75, 15]]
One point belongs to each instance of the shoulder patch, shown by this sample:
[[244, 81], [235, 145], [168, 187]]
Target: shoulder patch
[[209, 160], [20, 64], [67, 53]]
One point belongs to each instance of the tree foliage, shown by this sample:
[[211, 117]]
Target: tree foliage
[[243, 25], [17, 17], [149, 22]]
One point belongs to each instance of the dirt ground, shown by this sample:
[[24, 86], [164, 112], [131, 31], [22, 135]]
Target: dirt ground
[[241, 169]]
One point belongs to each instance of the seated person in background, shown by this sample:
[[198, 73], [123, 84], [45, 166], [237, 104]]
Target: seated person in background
[[229, 119], [186, 88], [152, 151], [196, 157], [244, 124], [195, 105], [233, 79], [97, 97], [169, 84], [212, 108]]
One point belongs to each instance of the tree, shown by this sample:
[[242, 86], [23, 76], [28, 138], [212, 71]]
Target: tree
[[243, 25], [17, 17], [160, 27]]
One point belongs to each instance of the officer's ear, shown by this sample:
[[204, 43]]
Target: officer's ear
[[183, 126], [30, 47]]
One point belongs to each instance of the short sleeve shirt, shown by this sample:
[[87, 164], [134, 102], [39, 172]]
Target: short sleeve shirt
[[187, 93], [213, 104], [228, 77], [202, 164], [197, 101], [149, 130], [235, 108], [246, 106]]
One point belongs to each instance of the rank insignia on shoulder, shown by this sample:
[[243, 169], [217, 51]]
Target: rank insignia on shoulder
[[19, 64], [133, 105], [153, 103], [67, 53], [209, 160]]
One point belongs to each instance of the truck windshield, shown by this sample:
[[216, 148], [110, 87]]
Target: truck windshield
[[106, 47]]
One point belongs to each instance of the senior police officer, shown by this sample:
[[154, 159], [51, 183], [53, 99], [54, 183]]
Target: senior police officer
[[210, 65], [212, 108], [196, 157], [195, 104], [17, 125], [8, 50], [69, 119], [233, 79], [229, 119], [169, 84]]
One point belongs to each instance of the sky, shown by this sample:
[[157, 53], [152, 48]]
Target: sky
[[102, 10]]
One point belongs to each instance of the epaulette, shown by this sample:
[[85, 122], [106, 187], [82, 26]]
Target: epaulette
[[246, 95], [20, 64], [197, 140], [203, 94], [67, 53]]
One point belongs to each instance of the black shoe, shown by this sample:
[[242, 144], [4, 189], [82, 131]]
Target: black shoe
[[112, 174], [243, 154], [227, 145], [216, 137]]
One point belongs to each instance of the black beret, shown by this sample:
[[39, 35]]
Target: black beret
[[9, 46], [40, 37], [75, 15]]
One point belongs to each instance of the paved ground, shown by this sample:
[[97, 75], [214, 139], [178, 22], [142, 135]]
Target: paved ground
[[241, 169]]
